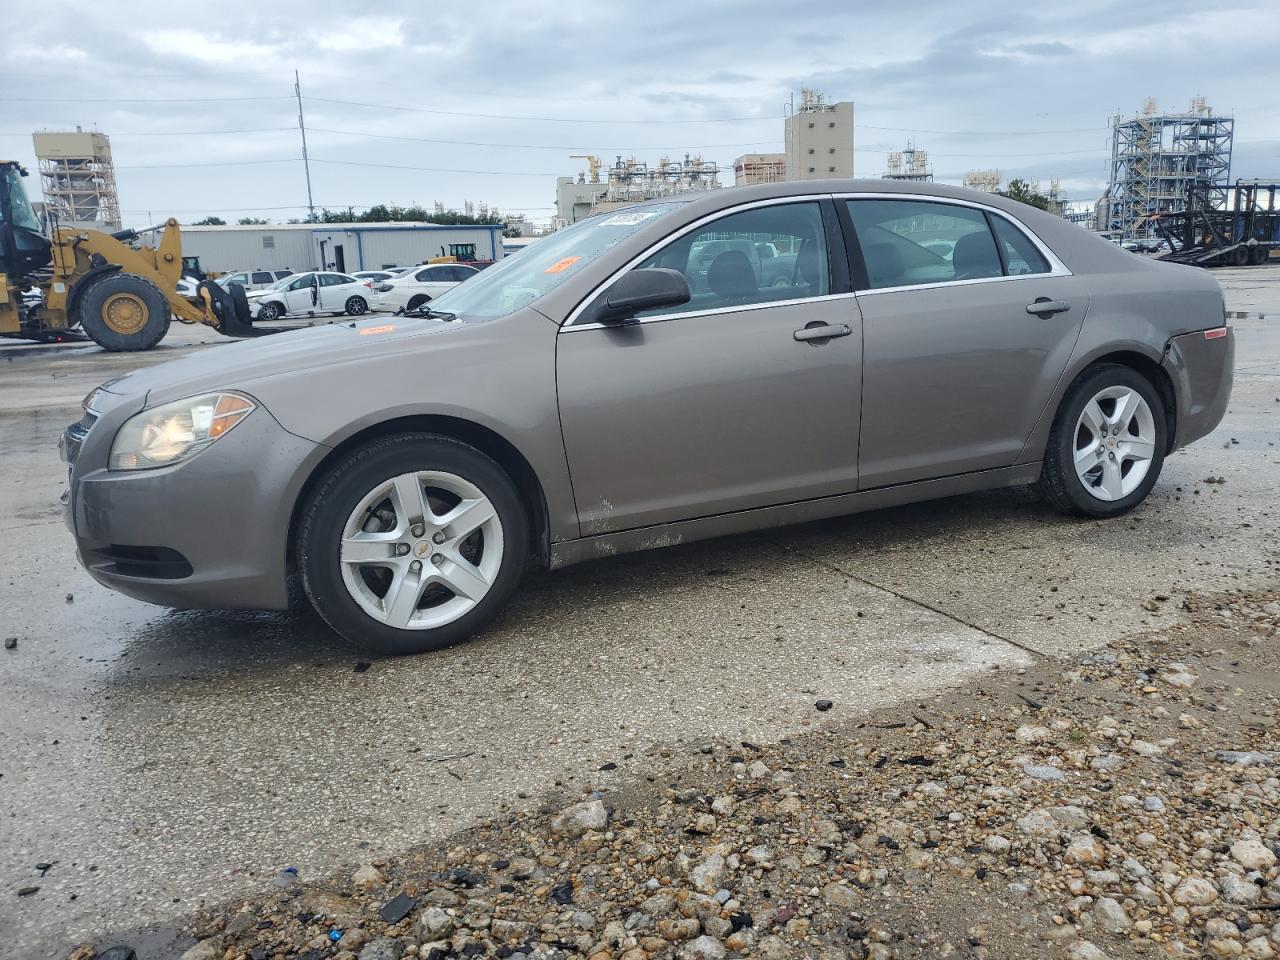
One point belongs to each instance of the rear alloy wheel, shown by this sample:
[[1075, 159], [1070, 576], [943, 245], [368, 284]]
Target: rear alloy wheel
[[1107, 444], [412, 543], [124, 312], [356, 306]]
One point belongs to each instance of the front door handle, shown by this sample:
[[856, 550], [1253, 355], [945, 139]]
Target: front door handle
[[1044, 307], [823, 331]]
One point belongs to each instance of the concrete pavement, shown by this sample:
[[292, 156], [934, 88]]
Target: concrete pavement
[[159, 759]]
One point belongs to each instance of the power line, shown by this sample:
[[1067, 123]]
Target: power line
[[507, 116], [208, 163], [533, 146], [396, 166], [137, 99]]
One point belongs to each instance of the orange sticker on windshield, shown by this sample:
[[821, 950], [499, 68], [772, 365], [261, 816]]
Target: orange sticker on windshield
[[562, 265]]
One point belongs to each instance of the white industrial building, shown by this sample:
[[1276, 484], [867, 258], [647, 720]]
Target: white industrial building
[[346, 247]]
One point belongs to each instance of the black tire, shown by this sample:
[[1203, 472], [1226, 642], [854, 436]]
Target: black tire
[[270, 311], [1058, 484], [356, 306], [1258, 256], [330, 503], [124, 312], [1240, 257], [417, 300]]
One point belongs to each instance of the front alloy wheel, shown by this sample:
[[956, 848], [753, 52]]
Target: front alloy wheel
[[411, 542], [421, 549]]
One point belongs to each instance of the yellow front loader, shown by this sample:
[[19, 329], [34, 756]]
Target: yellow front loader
[[120, 296]]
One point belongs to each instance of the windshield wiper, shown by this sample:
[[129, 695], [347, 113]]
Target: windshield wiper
[[429, 313]]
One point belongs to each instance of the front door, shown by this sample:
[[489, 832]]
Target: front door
[[339, 258], [298, 295], [717, 406], [957, 371]]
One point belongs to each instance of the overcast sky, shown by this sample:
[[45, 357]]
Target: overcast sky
[[1026, 87]]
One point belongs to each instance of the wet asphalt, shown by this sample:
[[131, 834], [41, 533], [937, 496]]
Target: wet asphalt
[[160, 759]]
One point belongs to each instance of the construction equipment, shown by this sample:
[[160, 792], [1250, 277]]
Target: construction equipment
[[120, 296], [1245, 235], [461, 253]]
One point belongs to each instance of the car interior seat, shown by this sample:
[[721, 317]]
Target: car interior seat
[[731, 277]]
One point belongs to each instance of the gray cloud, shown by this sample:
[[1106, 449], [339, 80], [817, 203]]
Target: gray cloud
[[1030, 92]]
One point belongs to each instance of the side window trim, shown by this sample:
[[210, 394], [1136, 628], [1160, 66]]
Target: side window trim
[[858, 266], [575, 319], [995, 238]]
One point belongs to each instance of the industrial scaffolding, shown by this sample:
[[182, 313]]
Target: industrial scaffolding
[[632, 180], [1159, 160], [909, 164], [78, 178], [988, 181]]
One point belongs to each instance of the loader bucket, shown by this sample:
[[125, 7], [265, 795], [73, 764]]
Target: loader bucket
[[231, 307]]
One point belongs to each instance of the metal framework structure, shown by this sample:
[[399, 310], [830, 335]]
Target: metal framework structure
[[909, 164], [988, 181], [78, 178], [631, 180], [1159, 159]]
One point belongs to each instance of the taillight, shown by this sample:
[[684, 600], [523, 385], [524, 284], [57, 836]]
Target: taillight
[[369, 284], [1217, 333]]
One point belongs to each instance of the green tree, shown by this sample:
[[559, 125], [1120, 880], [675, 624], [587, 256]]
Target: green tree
[[1021, 191], [250, 221], [210, 222]]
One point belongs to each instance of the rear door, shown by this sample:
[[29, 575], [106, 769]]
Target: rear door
[[957, 369]]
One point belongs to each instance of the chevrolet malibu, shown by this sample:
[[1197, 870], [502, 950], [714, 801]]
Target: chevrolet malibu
[[609, 391]]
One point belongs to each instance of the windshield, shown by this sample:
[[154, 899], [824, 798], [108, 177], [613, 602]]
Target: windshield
[[24, 217], [513, 282]]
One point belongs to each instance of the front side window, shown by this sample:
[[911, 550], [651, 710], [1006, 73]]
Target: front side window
[[910, 242], [723, 264], [1020, 255], [303, 280]]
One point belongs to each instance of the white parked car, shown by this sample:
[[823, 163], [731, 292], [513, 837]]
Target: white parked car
[[255, 279], [417, 287], [312, 293]]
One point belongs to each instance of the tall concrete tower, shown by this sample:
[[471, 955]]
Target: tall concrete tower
[[78, 178], [819, 138]]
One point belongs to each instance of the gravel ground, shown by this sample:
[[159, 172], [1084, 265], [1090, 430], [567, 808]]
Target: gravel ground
[[1122, 805]]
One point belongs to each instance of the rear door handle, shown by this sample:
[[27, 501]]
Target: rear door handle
[[1044, 307], [823, 331]]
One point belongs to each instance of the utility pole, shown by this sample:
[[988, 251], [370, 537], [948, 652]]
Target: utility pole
[[306, 163]]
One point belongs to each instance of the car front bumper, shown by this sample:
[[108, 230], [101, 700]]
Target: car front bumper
[[1201, 366], [209, 532]]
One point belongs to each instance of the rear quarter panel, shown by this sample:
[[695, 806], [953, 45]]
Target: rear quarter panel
[[1137, 306]]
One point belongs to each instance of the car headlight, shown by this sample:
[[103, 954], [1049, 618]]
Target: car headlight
[[176, 431]]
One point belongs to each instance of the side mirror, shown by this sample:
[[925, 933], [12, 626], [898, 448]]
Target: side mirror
[[643, 289]]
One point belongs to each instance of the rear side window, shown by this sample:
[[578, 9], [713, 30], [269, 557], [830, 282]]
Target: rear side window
[[263, 278], [1021, 256], [910, 242], [721, 260]]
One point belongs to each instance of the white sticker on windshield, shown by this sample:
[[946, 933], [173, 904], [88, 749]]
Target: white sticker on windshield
[[627, 219]]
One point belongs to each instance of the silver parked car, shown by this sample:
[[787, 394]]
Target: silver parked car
[[612, 389]]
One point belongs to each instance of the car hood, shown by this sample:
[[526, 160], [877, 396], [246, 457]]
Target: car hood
[[236, 365]]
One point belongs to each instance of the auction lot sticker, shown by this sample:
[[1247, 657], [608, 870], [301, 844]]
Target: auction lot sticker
[[560, 266]]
